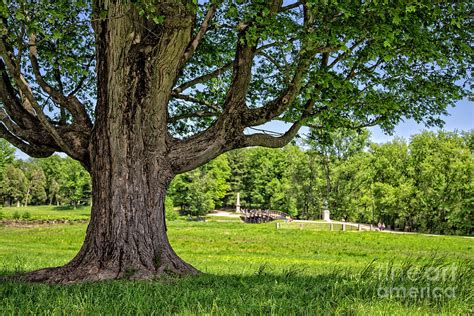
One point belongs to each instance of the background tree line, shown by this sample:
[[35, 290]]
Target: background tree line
[[424, 184], [55, 180]]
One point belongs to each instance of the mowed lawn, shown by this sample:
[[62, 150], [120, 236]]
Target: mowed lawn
[[253, 269], [46, 212]]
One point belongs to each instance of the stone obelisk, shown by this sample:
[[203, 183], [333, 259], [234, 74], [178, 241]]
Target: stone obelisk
[[237, 203]]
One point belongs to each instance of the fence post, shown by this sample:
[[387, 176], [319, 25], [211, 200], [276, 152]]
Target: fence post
[[278, 225]]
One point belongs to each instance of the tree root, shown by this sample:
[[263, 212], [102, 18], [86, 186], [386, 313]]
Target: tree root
[[70, 274]]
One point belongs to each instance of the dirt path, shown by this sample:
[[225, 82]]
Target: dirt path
[[363, 227]]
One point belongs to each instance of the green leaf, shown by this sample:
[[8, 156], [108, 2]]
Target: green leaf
[[159, 19]]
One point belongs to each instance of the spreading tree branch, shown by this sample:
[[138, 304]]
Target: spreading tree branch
[[71, 103], [347, 53], [200, 34], [192, 99], [28, 148], [202, 78], [277, 106], [217, 72], [82, 81], [46, 125], [24, 117], [291, 6], [216, 139], [266, 140], [196, 114]]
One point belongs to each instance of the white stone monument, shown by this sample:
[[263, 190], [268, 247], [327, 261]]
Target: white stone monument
[[326, 213], [237, 203], [326, 216]]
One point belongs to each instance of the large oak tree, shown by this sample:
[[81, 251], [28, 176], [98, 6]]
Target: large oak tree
[[141, 90]]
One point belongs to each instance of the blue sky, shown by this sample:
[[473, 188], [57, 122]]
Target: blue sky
[[461, 117]]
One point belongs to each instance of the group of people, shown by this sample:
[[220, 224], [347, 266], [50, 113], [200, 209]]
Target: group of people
[[381, 226]]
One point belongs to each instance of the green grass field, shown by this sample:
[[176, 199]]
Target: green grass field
[[47, 212], [253, 269]]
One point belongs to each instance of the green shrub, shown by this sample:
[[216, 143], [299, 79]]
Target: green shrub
[[2, 215], [16, 215], [171, 214], [26, 215]]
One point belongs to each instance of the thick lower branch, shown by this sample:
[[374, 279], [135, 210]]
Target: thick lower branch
[[30, 149], [43, 120], [265, 140]]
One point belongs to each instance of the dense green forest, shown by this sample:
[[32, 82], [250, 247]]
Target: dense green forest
[[424, 184], [54, 180]]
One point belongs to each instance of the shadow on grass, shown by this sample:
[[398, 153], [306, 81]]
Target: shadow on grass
[[375, 289], [69, 208]]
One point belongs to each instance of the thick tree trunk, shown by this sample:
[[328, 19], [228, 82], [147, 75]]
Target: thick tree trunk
[[137, 67], [126, 237]]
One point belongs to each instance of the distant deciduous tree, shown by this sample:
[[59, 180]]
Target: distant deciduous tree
[[7, 155], [199, 191], [14, 185], [36, 192]]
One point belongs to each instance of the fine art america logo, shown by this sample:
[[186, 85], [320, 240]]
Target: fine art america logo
[[405, 283]]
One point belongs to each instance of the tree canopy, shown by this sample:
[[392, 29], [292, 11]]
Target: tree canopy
[[325, 64]]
